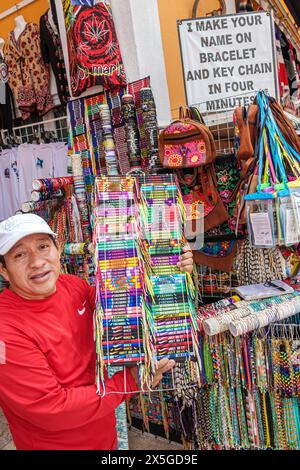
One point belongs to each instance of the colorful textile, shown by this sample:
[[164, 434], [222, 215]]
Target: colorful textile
[[228, 175], [28, 76], [94, 53]]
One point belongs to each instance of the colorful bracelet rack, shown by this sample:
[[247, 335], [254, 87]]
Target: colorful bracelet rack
[[132, 131], [108, 142], [79, 142], [118, 129], [150, 124], [52, 184], [134, 89], [58, 205], [247, 398], [80, 192], [78, 248], [171, 313], [96, 132], [120, 325]]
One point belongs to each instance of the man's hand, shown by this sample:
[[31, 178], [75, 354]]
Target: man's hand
[[164, 365], [186, 262]]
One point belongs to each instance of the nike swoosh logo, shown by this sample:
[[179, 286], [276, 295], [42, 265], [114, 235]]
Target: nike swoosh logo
[[81, 312]]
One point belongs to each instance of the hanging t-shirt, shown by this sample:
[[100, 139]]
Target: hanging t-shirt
[[9, 200], [94, 52], [34, 162], [60, 159]]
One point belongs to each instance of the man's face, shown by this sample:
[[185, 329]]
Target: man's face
[[32, 267]]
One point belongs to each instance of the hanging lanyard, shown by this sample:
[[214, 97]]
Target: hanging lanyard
[[261, 143], [269, 166]]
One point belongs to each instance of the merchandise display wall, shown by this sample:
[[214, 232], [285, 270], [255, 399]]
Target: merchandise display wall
[[236, 384]]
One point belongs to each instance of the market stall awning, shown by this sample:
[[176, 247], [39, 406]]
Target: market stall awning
[[294, 7]]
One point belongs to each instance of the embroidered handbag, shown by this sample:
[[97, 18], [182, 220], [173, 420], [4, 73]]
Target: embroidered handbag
[[202, 188], [186, 143], [228, 176]]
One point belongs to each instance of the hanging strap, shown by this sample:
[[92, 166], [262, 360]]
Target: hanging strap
[[282, 152], [181, 177], [181, 112], [270, 155], [269, 162], [263, 118], [211, 198], [196, 115]]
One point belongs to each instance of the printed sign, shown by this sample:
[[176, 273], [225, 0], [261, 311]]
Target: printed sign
[[227, 59]]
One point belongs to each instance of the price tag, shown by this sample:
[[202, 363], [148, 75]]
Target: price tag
[[295, 197], [291, 231], [262, 229]]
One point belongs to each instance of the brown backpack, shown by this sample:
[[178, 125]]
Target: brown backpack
[[246, 120]]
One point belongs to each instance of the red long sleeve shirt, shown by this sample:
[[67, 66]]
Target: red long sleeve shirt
[[47, 385]]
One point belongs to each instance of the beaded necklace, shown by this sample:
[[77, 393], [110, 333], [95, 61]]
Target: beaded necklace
[[228, 418], [256, 394], [265, 420], [234, 417], [290, 425], [278, 402], [261, 375], [245, 444], [248, 412]]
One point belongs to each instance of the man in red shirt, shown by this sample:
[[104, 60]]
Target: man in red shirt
[[47, 374]]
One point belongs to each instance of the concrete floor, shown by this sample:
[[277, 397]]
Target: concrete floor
[[137, 439], [6, 442], [146, 441]]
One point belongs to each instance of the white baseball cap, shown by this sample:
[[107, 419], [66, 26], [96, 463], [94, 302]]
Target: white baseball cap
[[19, 226]]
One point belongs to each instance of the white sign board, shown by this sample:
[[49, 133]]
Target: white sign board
[[227, 59]]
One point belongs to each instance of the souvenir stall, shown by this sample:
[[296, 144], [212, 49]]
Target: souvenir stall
[[119, 191], [246, 392]]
